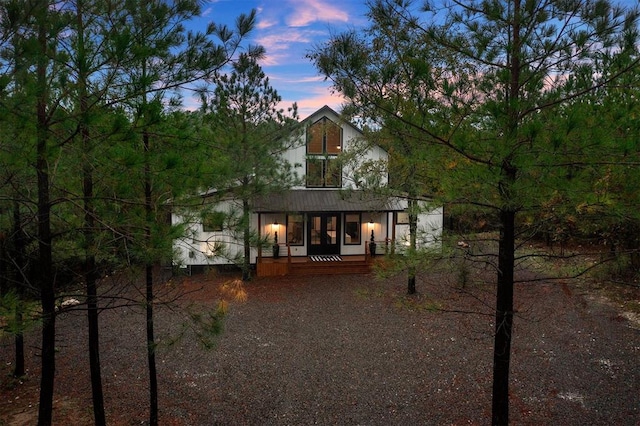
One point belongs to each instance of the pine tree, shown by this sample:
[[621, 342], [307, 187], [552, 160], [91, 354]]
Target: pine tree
[[247, 128], [164, 58], [484, 78]]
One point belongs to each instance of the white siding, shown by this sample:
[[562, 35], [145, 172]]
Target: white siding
[[429, 230], [206, 248]]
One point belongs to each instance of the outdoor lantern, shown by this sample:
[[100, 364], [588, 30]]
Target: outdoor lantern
[[372, 226], [372, 243]]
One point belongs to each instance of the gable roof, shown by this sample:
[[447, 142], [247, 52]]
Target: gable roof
[[328, 111]]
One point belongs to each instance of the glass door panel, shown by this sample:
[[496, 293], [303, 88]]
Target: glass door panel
[[324, 232]]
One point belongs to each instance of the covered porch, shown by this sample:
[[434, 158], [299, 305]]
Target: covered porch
[[323, 231]]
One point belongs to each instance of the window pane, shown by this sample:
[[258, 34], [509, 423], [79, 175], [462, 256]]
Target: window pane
[[315, 135], [331, 223], [316, 230], [332, 237], [334, 138], [314, 172], [402, 218], [352, 229], [333, 174], [213, 221], [295, 230]]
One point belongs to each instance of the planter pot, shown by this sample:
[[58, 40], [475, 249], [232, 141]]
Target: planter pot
[[372, 249]]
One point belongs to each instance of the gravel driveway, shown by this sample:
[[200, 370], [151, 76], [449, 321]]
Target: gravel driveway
[[352, 350]]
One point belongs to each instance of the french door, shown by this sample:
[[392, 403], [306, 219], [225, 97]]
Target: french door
[[324, 233]]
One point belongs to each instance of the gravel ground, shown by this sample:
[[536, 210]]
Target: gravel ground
[[349, 350]]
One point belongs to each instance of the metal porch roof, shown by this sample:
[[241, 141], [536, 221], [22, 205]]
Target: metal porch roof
[[321, 200]]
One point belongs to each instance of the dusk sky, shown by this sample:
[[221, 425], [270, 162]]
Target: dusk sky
[[289, 29]]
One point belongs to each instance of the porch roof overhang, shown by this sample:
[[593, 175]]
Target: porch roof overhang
[[326, 200]]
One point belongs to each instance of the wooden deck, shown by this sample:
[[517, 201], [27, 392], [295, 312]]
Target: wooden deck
[[303, 265]]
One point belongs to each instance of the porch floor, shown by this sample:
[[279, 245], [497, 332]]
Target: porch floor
[[303, 265]]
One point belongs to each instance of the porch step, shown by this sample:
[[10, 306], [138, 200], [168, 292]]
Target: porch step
[[330, 268]]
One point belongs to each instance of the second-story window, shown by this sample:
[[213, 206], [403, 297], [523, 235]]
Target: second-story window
[[324, 143]]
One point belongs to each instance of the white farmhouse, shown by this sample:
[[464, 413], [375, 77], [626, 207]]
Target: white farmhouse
[[324, 225]]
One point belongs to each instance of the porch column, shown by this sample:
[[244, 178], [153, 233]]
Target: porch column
[[259, 235]]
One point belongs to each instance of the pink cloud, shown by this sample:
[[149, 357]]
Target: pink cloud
[[311, 104], [281, 40], [279, 46], [304, 12], [273, 59], [315, 79], [266, 18], [265, 23]]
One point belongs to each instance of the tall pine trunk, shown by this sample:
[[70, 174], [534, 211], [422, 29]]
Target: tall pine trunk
[[91, 279], [151, 349], [413, 230], [506, 242], [504, 319], [90, 272], [46, 280], [151, 346], [246, 236], [94, 341]]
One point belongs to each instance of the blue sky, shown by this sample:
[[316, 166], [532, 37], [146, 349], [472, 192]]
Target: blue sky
[[289, 29]]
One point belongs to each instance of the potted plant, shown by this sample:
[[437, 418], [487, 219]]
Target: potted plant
[[276, 246], [372, 245]]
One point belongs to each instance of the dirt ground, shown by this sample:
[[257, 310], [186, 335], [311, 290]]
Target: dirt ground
[[347, 350]]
